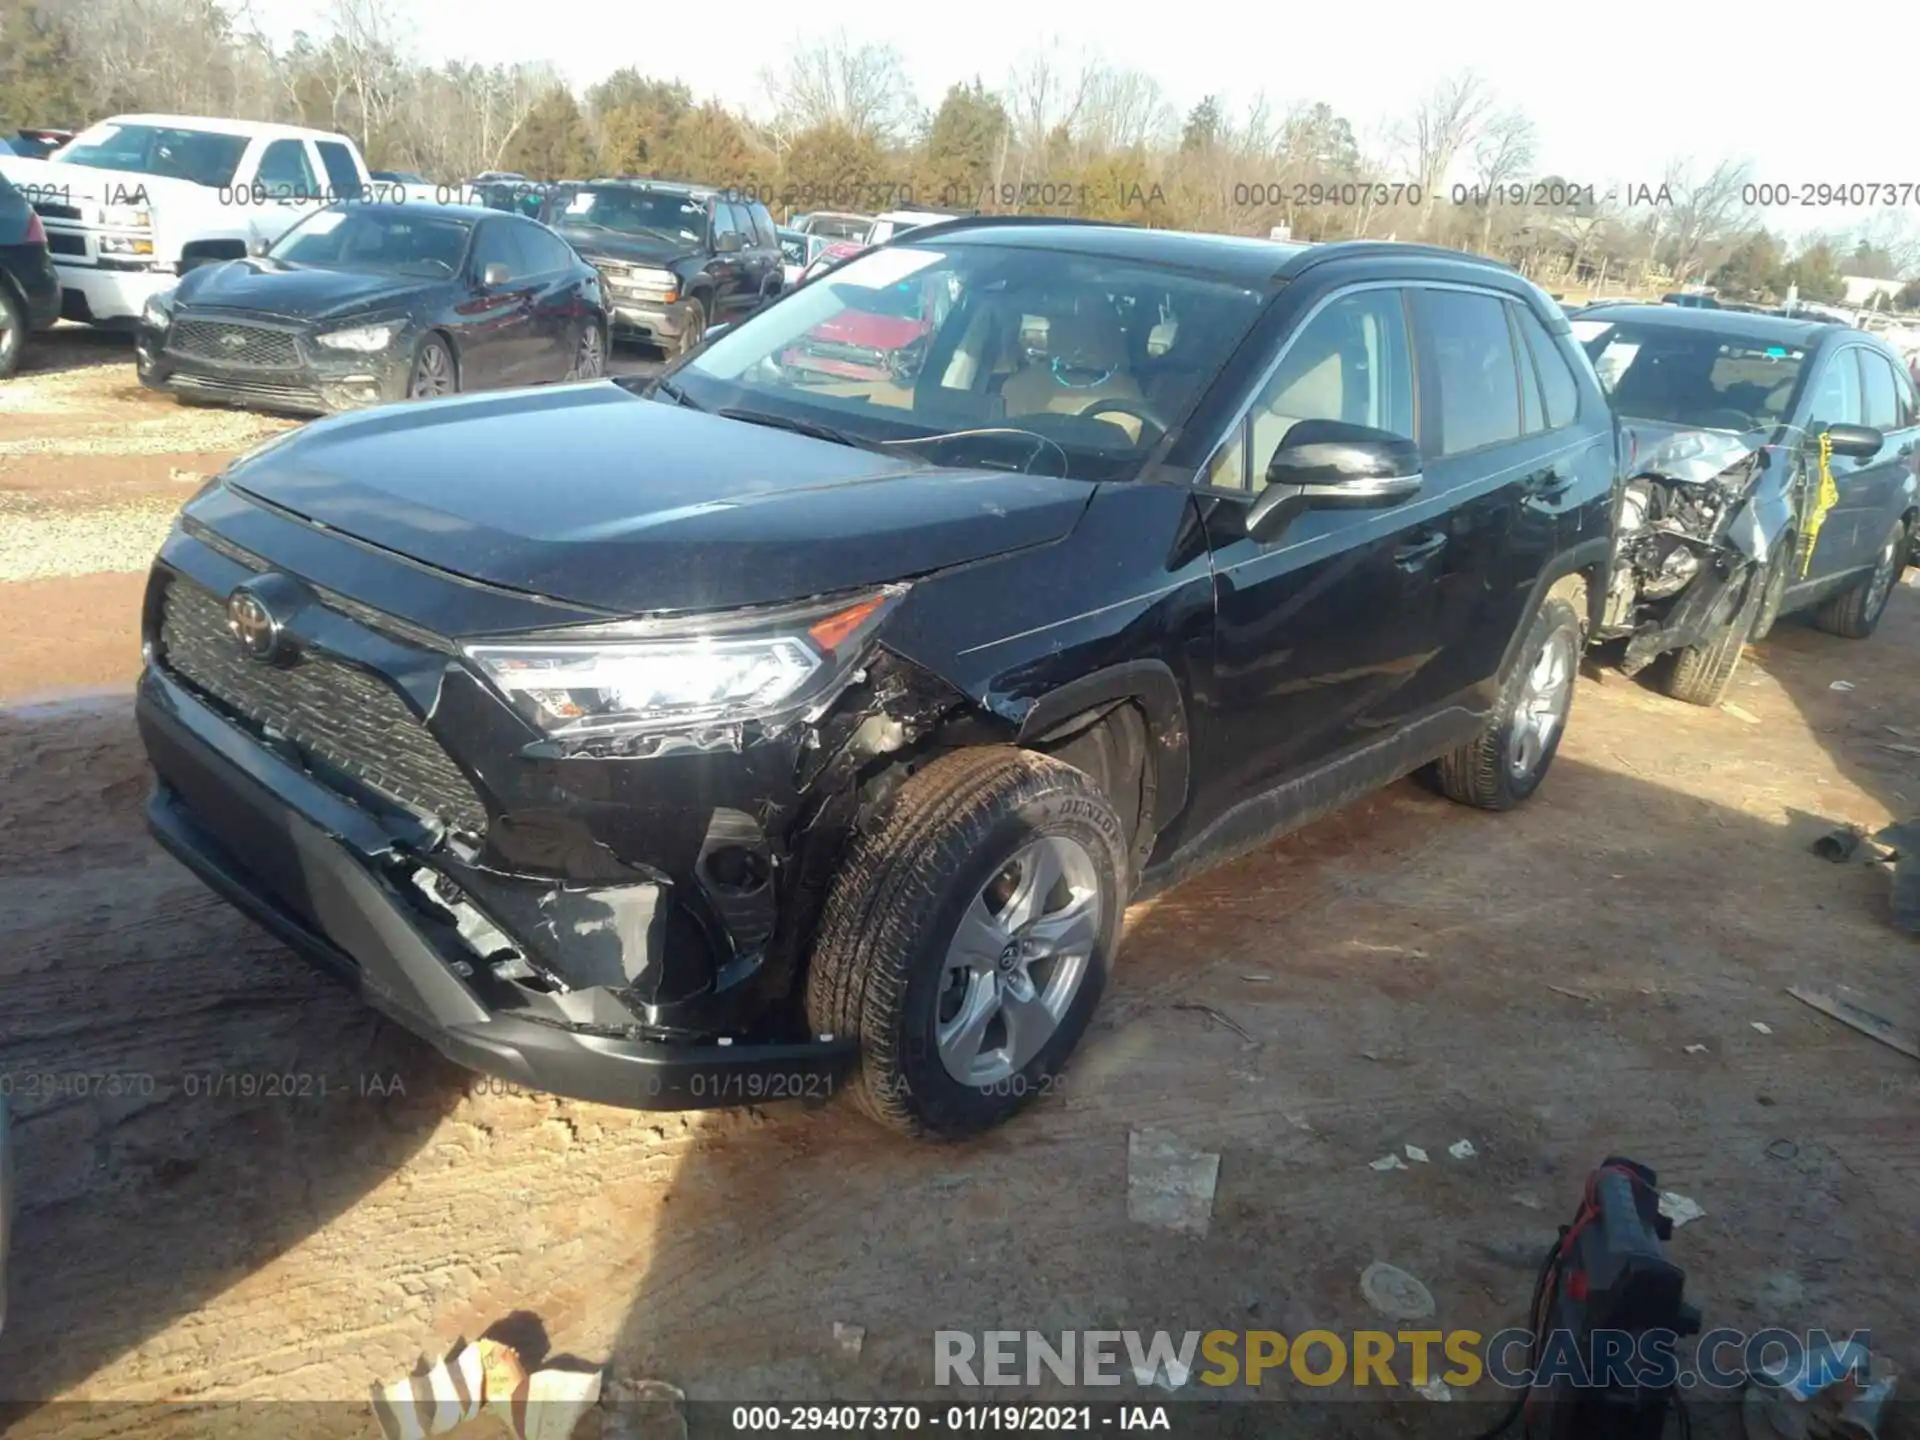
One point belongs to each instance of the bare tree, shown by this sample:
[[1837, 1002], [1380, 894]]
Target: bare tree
[[1045, 95], [1123, 109], [860, 87], [1703, 221], [1443, 126], [1502, 154]]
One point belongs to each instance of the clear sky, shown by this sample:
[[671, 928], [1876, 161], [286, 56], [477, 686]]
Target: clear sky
[[1616, 90]]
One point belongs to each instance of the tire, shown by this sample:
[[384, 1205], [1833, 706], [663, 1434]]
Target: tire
[[695, 332], [13, 332], [891, 965], [1853, 613], [1506, 762], [1779, 570], [1702, 674], [433, 377], [589, 355]]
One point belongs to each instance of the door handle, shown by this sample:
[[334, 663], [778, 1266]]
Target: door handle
[[1410, 556]]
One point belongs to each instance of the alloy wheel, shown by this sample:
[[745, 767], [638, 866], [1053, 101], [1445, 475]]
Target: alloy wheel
[[1017, 960], [432, 372], [1880, 583], [590, 360], [1542, 705]]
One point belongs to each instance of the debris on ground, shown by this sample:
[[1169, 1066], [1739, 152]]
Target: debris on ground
[[1395, 1293], [1387, 1162], [1256, 979], [1874, 1027], [1828, 1392], [1841, 685], [1414, 1152], [1739, 713], [1782, 1149], [1532, 1202], [643, 1410], [1696, 1049], [1462, 1150], [1679, 1209], [1763, 1027], [1434, 1389], [1169, 1183], [849, 1337], [1226, 1022], [1573, 994], [1840, 844], [488, 1377]]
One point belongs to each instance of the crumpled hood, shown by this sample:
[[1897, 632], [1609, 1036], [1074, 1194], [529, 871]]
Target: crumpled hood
[[301, 292], [1687, 455], [590, 494]]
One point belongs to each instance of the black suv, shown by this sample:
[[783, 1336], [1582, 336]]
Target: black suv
[[29, 285], [698, 740], [675, 258]]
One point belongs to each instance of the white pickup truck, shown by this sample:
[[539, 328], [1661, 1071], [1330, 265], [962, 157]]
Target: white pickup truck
[[132, 203]]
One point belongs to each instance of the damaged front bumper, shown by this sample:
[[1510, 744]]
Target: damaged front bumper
[[336, 885], [1696, 616]]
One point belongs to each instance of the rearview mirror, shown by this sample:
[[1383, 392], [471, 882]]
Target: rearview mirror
[[1328, 464], [1861, 442], [495, 274]]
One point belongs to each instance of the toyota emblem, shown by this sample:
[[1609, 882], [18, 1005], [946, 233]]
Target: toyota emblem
[[253, 625]]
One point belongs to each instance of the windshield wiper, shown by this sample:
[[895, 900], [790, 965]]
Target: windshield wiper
[[674, 393], [803, 427]]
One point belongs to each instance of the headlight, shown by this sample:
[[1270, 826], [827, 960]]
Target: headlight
[[125, 245], [647, 677], [126, 217], [158, 311], [363, 338]]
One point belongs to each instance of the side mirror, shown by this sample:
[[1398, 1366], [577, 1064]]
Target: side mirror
[[729, 242], [1860, 442], [257, 247], [495, 275], [1327, 464]]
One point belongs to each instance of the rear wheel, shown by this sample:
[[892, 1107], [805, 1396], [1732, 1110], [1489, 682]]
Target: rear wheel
[[1854, 613], [966, 941], [13, 332], [1507, 761], [434, 372], [589, 355]]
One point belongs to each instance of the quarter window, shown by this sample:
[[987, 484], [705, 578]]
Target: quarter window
[[342, 175], [1474, 367], [1351, 363], [1880, 400], [1558, 389]]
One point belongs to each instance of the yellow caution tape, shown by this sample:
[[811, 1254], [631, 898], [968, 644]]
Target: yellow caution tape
[[1824, 500]]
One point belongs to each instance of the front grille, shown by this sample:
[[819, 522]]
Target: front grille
[[234, 344], [331, 711], [249, 392], [61, 243], [53, 210]]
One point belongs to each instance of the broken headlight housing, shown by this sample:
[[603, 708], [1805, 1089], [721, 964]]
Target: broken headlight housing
[[704, 673]]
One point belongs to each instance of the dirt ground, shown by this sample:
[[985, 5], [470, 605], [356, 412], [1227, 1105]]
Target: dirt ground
[[1408, 972]]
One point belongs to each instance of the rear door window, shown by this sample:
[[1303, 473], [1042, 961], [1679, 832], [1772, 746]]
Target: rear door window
[[284, 172], [1474, 368], [343, 176], [1559, 391]]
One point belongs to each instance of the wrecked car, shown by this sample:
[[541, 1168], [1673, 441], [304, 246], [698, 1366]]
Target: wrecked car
[[1771, 470], [816, 736]]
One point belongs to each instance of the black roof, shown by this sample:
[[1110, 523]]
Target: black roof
[[455, 210], [1734, 324], [1243, 259], [641, 182]]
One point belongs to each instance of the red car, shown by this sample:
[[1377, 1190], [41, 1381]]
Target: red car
[[882, 343]]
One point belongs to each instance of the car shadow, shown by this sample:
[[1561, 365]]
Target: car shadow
[[73, 347], [191, 1102]]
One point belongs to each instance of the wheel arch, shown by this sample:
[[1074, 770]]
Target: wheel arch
[[1064, 713], [1580, 574]]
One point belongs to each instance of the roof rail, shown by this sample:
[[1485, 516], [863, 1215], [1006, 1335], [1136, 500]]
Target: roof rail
[[1010, 222], [1340, 249]]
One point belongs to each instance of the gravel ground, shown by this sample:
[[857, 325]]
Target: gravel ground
[[117, 539]]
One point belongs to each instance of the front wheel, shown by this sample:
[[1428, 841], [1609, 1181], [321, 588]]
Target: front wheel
[[695, 330], [589, 355], [434, 372], [13, 332], [1853, 614], [1506, 762], [1702, 674], [966, 941]]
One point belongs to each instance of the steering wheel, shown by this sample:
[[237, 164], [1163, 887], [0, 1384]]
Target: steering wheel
[[1717, 419], [1136, 408]]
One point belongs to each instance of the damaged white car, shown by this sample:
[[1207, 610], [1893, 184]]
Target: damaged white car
[[1771, 469]]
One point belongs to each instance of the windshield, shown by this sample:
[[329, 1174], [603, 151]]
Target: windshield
[[838, 227], [393, 242], [987, 356], [205, 157], [1702, 379], [660, 213]]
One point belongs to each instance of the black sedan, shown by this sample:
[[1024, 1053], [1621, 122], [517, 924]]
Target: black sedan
[[29, 285], [360, 304]]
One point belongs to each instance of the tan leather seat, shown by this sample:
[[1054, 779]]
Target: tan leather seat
[[1088, 345]]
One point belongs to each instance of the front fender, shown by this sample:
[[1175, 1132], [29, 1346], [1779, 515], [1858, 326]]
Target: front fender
[[1758, 525]]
